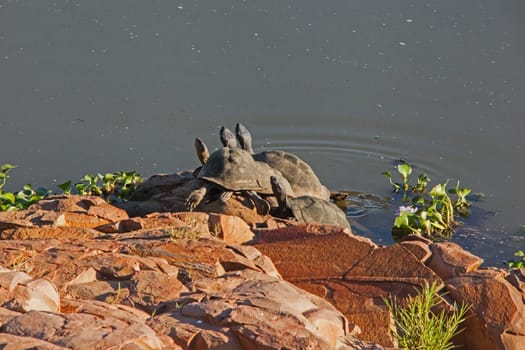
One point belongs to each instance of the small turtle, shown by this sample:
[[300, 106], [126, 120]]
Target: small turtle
[[229, 170], [306, 209], [299, 174]]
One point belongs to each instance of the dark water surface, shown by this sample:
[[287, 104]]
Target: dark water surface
[[350, 86]]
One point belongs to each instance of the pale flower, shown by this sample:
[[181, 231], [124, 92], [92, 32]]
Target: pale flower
[[405, 209]]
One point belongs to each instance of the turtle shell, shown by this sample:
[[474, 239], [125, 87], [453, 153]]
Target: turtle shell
[[311, 209], [236, 170], [299, 174]]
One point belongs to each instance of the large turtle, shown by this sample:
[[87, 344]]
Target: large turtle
[[306, 208], [299, 174], [232, 169]]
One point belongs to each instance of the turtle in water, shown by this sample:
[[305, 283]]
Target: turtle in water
[[232, 169], [306, 209], [299, 174]]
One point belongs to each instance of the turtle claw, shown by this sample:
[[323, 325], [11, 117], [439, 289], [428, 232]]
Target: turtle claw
[[195, 198]]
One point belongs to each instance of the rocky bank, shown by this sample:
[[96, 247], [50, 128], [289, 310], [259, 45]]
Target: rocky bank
[[79, 273]]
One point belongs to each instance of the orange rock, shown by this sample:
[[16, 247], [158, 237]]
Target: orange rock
[[450, 260], [14, 342], [84, 220], [23, 293], [231, 229], [299, 254], [45, 232], [420, 249], [497, 310], [392, 263], [91, 205]]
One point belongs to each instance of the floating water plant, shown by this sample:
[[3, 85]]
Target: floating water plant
[[21, 199], [518, 264], [427, 213], [114, 187]]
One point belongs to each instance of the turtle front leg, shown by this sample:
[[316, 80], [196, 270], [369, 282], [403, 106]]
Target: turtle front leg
[[195, 198], [262, 205]]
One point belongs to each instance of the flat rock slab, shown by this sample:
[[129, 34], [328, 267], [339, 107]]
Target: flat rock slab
[[450, 260], [300, 254]]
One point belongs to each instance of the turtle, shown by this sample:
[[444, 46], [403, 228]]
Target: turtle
[[299, 174], [232, 169], [306, 209]]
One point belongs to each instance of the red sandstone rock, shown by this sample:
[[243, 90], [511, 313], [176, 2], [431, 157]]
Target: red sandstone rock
[[204, 294], [517, 278], [361, 303], [420, 249], [497, 319], [47, 218], [20, 292], [14, 342], [83, 331], [233, 312], [450, 260], [391, 263], [91, 205], [318, 262], [299, 254], [49, 232], [230, 229]]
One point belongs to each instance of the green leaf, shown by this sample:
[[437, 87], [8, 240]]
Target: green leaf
[[66, 186], [404, 169], [519, 253], [8, 197], [6, 167], [401, 221], [438, 190]]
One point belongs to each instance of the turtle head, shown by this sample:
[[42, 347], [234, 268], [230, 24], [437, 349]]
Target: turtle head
[[227, 138], [244, 137], [201, 150], [279, 191]]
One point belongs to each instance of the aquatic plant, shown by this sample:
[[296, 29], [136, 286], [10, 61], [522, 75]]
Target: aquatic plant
[[517, 263], [21, 199], [114, 187], [417, 326], [428, 213]]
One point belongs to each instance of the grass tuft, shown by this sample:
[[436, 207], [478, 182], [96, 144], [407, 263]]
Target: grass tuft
[[417, 327]]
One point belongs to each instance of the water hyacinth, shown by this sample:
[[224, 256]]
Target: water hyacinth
[[428, 213]]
